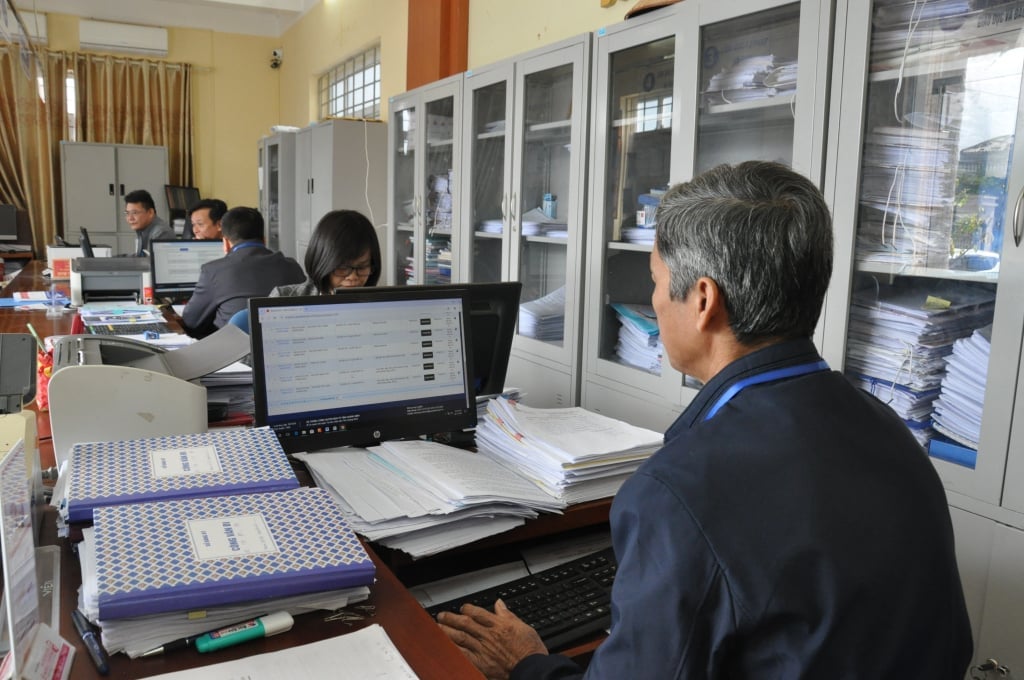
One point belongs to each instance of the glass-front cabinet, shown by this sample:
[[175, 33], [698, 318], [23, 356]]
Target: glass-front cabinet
[[424, 142], [678, 91], [927, 193], [523, 189], [276, 170]]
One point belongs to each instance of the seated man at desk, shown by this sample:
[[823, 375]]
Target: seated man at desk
[[204, 219], [140, 213], [249, 269], [790, 526]]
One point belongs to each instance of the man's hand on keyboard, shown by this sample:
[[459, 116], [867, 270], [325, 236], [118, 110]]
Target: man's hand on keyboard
[[496, 642]]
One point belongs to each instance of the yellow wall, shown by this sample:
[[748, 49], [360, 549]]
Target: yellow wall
[[332, 31], [499, 29]]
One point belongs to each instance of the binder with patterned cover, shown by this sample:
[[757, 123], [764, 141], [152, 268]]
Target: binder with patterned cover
[[178, 466], [204, 552]]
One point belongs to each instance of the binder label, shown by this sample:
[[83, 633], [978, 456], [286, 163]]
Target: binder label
[[184, 461], [237, 536]]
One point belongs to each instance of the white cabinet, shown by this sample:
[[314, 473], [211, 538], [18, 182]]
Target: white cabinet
[[523, 211], [676, 92], [339, 164], [424, 143], [926, 184], [276, 175], [94, 181]]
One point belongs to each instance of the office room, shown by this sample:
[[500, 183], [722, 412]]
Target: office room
[[532, 141]]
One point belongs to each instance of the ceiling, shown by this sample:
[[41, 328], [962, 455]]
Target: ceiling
[[250, 17]]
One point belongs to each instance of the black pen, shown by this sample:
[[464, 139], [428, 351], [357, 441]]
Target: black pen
[[92, 643], [180, 643]]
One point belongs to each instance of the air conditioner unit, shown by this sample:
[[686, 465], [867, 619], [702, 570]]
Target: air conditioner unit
[[106, 36], [35, 24]]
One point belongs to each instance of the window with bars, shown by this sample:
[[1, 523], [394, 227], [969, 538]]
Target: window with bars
[[352, 88]]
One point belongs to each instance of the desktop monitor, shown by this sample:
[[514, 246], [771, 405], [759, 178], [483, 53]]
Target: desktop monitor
[[8, 223], [174, 265], [85, 244], [493, 310], [362, 367]]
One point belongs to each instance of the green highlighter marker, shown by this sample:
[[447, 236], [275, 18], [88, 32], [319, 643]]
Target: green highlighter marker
[[253, 629]]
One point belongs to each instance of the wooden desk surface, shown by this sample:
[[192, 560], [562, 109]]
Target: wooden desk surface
[[31, 279]]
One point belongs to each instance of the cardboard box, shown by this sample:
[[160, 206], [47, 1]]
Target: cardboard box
[[58, 259]]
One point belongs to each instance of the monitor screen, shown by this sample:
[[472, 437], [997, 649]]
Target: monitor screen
[[8, 223], [175, 264], [361, 367], [493, 310]]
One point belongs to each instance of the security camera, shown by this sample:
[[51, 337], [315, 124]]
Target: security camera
[[275, 58]]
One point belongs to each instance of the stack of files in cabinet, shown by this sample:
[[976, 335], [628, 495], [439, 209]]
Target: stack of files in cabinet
[[914, 407], [424, 497], [901, 334], [544, 318], [958, 409], [219, 462], [147, 568], [906, 31], [639, 342], [907, 195], [743, 81], [536, 223], [439, 204], [493, 226], [573, 454]]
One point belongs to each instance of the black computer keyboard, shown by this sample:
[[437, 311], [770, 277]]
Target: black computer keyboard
[[564, 604], [129, 328]]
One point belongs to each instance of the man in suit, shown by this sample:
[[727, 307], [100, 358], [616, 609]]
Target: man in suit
[[249, 269], [140, 213], [204, 219]]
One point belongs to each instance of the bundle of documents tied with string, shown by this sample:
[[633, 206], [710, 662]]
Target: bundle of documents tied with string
[[573, 454], [425, 497]]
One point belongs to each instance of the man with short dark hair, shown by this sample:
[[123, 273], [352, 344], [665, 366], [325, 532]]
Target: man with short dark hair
[[204, 219], [248, 269], [140, 213], [790, 526]]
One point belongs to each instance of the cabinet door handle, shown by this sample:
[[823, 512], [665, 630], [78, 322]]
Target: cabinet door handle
[[312, 185], [504, 206], [122, 190], [512, 206], [1018, 228], [110, 188]]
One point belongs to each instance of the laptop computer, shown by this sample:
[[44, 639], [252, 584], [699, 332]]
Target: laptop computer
[[174, 266]]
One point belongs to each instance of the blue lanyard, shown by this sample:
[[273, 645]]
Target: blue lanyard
[[246, 245], [767, 376]]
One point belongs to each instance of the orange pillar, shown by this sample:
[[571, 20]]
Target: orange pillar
[[438, 40]]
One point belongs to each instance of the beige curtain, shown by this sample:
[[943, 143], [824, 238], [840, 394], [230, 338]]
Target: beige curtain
[[29, 151], [117, 100], [136, 101]]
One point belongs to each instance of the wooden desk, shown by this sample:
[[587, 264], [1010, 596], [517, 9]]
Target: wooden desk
[[31, 279]]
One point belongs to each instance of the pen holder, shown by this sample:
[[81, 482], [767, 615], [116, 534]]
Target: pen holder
[[44, 368]]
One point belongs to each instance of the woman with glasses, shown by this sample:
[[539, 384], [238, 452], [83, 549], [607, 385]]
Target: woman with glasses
[[343, 253]]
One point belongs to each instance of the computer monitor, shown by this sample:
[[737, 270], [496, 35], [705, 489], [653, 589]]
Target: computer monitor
[[493, 310], [362, 367], [85, 244], [174, 265], [8, 223]]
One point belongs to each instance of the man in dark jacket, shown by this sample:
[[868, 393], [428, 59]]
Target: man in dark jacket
[[249, 269]]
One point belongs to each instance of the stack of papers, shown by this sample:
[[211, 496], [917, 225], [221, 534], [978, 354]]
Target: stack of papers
[[573, 454], [900, 335], [495, 226], [745, 80], [907, 194], [958, 408], [536, 223], [424, 497], [639, 342], [544, 318]]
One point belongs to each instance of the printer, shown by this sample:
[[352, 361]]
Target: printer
[[108, 278]]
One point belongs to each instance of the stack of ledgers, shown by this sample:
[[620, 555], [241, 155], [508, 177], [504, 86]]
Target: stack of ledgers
[[439, 204], [192, 532], [900, 335], [573, 454], [544, 317], [639, 342], [424, 497], [958, 409], [757, 77]]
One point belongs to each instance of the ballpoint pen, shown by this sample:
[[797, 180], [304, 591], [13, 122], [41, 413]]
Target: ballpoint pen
[[92, 643], [173, 646], [264, 625]]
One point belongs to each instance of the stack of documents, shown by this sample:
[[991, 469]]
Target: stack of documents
[[573, 454], [544, 318], [900, 335], [746, 80], [424, 497], [907, 194], [536, 223], [639, 342], [149, 564], [958, 408], [231, 385]]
